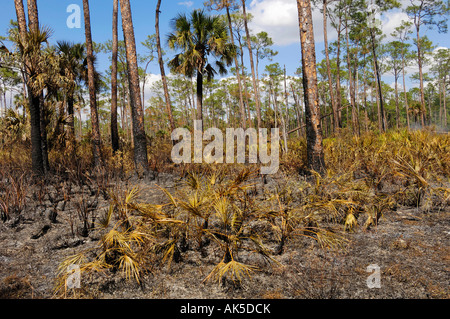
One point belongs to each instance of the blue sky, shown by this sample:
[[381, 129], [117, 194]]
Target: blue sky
[[277, 17]]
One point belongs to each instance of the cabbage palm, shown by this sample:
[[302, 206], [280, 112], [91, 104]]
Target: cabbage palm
[[72, 60], [200, 37]]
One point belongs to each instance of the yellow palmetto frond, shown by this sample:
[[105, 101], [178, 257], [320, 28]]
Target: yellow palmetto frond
[[350, 221], [130, 267], [234, 270]]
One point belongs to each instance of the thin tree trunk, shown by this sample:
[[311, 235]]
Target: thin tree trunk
[[255, 85], [397, 110], [115, 47], [71, 119], [366, 116], [298, 111], [445, 103], [238, 73], [161, 67], [336, 122], [405, 94], [96, 141], [44, 143], [244, 84], [137, 112], [315, 152], [350, 81], [422, 92], [338, 71], [199, 95], [378, 76]]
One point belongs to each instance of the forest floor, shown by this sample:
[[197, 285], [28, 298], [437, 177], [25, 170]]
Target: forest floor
[[410, 245]]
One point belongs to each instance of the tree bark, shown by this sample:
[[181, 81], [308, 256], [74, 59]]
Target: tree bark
[[161, 67], [96, 141], [137, 112], [33, 17], [33, 25], [70, 120], [315, 153], [199, 95], [115, 46]]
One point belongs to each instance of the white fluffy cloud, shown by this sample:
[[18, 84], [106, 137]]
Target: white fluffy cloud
[[279, 18], [390, 21]]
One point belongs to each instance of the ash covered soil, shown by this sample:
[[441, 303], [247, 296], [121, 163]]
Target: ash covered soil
[[410, 245]]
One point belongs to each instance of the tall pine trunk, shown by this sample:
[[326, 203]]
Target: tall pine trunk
[[115, 46], [378, 77], [161, 67], [351, 82], [422, 90], [96, 141], [252, 65], [315, 153], [404, 92], [137, 112], [397, 109], [336, 121], [238, 74], [338, 72]]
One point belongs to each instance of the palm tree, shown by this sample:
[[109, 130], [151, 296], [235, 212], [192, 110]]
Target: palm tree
[[72, 57], [33, 24], [231, 5], [96, 141], [33, 18], [137, 112], [315, 153], [37, 162], [200, 37]]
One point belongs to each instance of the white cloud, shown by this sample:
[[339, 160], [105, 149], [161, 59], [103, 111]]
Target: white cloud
[[186, 3], [150, 80], [279, 18], [390, 21]]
